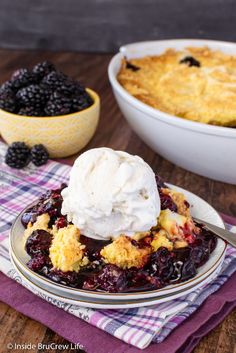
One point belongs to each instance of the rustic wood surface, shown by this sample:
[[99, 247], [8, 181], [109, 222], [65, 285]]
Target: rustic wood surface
[[113, 131]]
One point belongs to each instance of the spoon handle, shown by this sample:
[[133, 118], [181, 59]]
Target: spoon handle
[[228, 236]]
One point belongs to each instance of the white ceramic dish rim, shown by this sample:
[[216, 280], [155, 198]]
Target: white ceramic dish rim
[[125, 305], [146, 294], [158, 114]]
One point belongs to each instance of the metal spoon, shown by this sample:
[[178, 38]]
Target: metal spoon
[[228, 236]]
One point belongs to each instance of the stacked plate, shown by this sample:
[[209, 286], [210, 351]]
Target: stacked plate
[[101, 300]]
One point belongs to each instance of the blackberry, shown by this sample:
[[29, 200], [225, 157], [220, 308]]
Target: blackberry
[[69, 278], [69, 88], [58, 105], [132, 66], [31, 111], [110, 279], [22, 78], [6, 87], [38, 262], [39, 155], [8, 101], [190, 61], [54, 80], [47, 91], [81, 102], [167, 202], [18, 155], [59, 82], [42, 69], [30, 215], [161, 264], [38, 242], [32, 95]]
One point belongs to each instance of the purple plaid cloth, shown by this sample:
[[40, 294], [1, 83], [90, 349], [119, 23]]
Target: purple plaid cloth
[[138, 327]]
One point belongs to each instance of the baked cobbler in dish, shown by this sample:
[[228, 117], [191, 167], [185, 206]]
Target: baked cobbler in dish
[[198, 84], [168, 252]]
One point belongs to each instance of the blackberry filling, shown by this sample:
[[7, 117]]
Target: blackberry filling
[[50, 203], [38, 242], [167, 202], [110, 279]]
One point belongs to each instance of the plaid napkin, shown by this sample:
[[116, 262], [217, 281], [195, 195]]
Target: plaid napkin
[[139, 326]]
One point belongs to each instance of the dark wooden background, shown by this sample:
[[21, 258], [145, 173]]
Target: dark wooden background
[[103, 25]]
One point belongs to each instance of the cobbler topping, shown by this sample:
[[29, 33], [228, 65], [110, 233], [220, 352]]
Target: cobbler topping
[[66, 252], [125, 253], [195, 83], [160, 239]]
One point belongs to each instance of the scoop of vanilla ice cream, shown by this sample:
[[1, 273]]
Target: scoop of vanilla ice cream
[[111, 193]]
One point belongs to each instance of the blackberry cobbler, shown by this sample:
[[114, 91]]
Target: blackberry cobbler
[[168, 253], [195, 83]]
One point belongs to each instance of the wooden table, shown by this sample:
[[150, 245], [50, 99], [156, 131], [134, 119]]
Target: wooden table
[[113, 131]]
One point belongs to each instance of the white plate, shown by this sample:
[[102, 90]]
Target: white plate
[[200, 209], [47, 293]]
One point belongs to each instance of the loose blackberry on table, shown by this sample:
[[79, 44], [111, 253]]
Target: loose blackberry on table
[[18, 155], [39, 155]]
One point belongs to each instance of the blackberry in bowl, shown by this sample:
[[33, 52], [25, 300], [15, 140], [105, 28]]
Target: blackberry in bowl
[[45, 106]]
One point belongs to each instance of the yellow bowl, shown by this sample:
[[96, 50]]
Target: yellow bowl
[[62, 135]]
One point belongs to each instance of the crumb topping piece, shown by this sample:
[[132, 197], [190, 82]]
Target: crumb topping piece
[[160, 239], [66, 252], [124, 253]]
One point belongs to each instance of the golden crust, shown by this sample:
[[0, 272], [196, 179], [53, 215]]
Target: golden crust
[[161, 239], [66, 252], [205, 94], [124, 254]]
